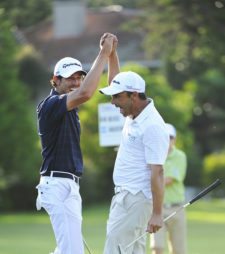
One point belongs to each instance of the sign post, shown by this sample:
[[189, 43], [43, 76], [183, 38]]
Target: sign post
[[110, 124]]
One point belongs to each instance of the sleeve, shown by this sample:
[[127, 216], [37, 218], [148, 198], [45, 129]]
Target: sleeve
[[156, 143], [176, 168], [52, 110]]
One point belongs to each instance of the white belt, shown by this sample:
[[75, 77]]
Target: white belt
[[118, 189]]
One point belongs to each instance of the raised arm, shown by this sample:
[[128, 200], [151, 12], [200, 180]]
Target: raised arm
[[113, 62], [91, 81]]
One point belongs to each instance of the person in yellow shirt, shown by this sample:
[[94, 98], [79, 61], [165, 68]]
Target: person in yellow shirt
[[174, 230]]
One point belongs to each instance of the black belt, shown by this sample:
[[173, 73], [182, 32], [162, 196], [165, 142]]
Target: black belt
[[63, 175]]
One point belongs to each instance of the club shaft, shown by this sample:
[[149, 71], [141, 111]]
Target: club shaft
[[200, 195], [86, 245], [166, 219]]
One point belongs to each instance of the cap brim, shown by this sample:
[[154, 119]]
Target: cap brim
[[83, 72], [71, 72], [110, 90]]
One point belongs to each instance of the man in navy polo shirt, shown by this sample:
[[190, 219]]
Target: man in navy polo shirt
[[59, 131]]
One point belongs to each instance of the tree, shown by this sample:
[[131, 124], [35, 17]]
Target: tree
[[19, 157], [32, 72], [25, 13], [209, 113], [187, 35], [214, 168]]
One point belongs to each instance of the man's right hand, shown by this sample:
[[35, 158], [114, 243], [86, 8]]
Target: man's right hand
[[108, 43]]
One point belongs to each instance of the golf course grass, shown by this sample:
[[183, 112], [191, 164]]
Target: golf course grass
[[32, 234]]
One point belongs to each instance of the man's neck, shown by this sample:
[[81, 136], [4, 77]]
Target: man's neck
[[140, 107]]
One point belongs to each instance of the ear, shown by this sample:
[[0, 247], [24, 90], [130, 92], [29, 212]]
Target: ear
[[56, 80]]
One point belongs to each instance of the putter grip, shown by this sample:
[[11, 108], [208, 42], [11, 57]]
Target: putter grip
[[206, 190]]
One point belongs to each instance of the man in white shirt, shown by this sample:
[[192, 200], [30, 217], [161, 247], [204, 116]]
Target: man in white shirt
[[138, 172]]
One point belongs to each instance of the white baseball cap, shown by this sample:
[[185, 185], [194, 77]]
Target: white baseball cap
[[125, 81], [171, 130], [68, 66]]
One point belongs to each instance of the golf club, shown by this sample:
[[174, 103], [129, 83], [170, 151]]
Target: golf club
[[197, 197], [86, 245]]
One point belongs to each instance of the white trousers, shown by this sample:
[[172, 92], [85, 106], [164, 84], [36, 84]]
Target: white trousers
[[61, 199], [128, 219]]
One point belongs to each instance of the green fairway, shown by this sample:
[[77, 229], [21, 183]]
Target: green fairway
[[32, 233]]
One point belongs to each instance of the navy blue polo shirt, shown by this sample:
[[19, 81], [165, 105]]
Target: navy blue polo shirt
[[59, 131]]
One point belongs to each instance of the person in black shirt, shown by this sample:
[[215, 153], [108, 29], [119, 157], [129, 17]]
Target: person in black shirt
[[59, 131]]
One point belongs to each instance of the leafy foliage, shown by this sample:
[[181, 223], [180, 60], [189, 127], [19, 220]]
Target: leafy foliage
[[18, 158], [209, 113], [189, 35], [24, 13], [32, 72], [214, 165]]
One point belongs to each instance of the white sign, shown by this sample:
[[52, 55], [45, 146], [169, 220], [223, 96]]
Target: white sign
[[110, 124]]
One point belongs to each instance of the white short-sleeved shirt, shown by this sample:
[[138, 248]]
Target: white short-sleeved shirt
[[144, 141]]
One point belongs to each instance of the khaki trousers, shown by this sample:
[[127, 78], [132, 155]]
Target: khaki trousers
[[128, 219], [175, 227]]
